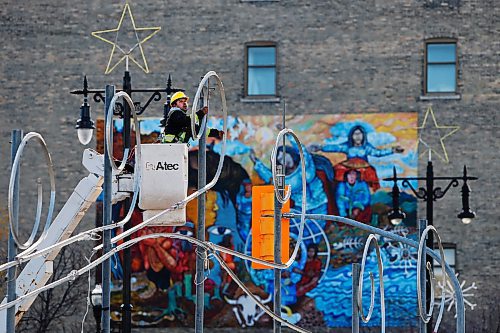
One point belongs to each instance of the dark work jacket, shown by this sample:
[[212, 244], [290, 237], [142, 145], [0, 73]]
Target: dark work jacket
[[179, 122]]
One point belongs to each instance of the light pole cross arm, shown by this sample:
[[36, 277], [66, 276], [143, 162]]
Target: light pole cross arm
[[438, 193], [420, 194]]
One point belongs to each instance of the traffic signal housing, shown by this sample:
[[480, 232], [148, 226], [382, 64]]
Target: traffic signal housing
[[263, 226]]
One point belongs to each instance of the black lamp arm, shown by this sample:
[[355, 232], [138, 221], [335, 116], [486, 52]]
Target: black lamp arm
[[438, 193], [156, 96], [421, 193], [98, 97]]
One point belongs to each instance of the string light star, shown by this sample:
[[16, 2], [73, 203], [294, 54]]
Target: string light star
[[432, 135], [126, 52]]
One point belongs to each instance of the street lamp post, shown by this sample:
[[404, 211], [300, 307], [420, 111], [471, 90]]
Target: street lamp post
[[85, 127], [429, 194]]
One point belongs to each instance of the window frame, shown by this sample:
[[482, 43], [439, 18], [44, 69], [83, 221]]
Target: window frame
[[450, 251], [247, 67], [427, 63]]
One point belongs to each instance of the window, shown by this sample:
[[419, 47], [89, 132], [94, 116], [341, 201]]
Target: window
[[440, 66], [450, 252], [260, 70]]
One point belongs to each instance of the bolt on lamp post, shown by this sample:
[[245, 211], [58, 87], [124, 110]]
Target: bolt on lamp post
[[429, 194], [85, 127]]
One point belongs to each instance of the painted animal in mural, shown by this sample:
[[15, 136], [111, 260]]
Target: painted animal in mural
[[245, 309]]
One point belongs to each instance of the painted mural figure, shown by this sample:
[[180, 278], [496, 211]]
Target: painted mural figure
[[289, 279], [353, 197], [357, 149], [317, 200], [311, 272]]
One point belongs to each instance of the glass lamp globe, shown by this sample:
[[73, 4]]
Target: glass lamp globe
[[85, 135]]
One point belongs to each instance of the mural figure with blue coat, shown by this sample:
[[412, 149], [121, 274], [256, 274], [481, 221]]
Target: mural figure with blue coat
[[357, 149]]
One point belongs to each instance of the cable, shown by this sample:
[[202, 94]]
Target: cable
[[88, 297], [138, 152], [205, 245], [278, 194], [87, 235], [255, 299]]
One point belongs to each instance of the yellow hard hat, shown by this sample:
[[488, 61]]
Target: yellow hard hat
[[178, 95]]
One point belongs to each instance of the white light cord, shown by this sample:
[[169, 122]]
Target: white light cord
[[282, 199], [372, 238], [88, 297], [421, 307], [29, 245], [138, 153], [87, 235], [204, 189], [205, 245]]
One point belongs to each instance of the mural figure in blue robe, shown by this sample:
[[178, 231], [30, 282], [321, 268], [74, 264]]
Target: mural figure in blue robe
[[317, 200]]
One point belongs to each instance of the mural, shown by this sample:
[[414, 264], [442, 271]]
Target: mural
[[347, 157]]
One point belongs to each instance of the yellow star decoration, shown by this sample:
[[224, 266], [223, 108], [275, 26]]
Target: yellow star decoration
[[126, 54], [434, 131]]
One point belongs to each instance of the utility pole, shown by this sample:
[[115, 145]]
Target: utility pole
[[106, 220], [277, 232], [127, 259], [16, 138], [200, 232]]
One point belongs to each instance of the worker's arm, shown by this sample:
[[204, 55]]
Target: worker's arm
[[212, 132]]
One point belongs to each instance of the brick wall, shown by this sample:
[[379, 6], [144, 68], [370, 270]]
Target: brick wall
[[333, 57]]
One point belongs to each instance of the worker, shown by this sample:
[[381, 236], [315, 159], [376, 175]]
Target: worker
[[178, 124]]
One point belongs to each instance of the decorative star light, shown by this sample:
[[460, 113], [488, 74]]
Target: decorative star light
[[140, 35], [432, 135], [449, 294]]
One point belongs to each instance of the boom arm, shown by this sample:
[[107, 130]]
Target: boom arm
[[38, 270]]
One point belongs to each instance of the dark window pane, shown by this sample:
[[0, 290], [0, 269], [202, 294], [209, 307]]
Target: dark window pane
[[261, 56], [441, 78], [261, 81], [441, 52]]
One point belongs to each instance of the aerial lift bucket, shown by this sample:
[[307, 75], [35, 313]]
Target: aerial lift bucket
[[164, 182]]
